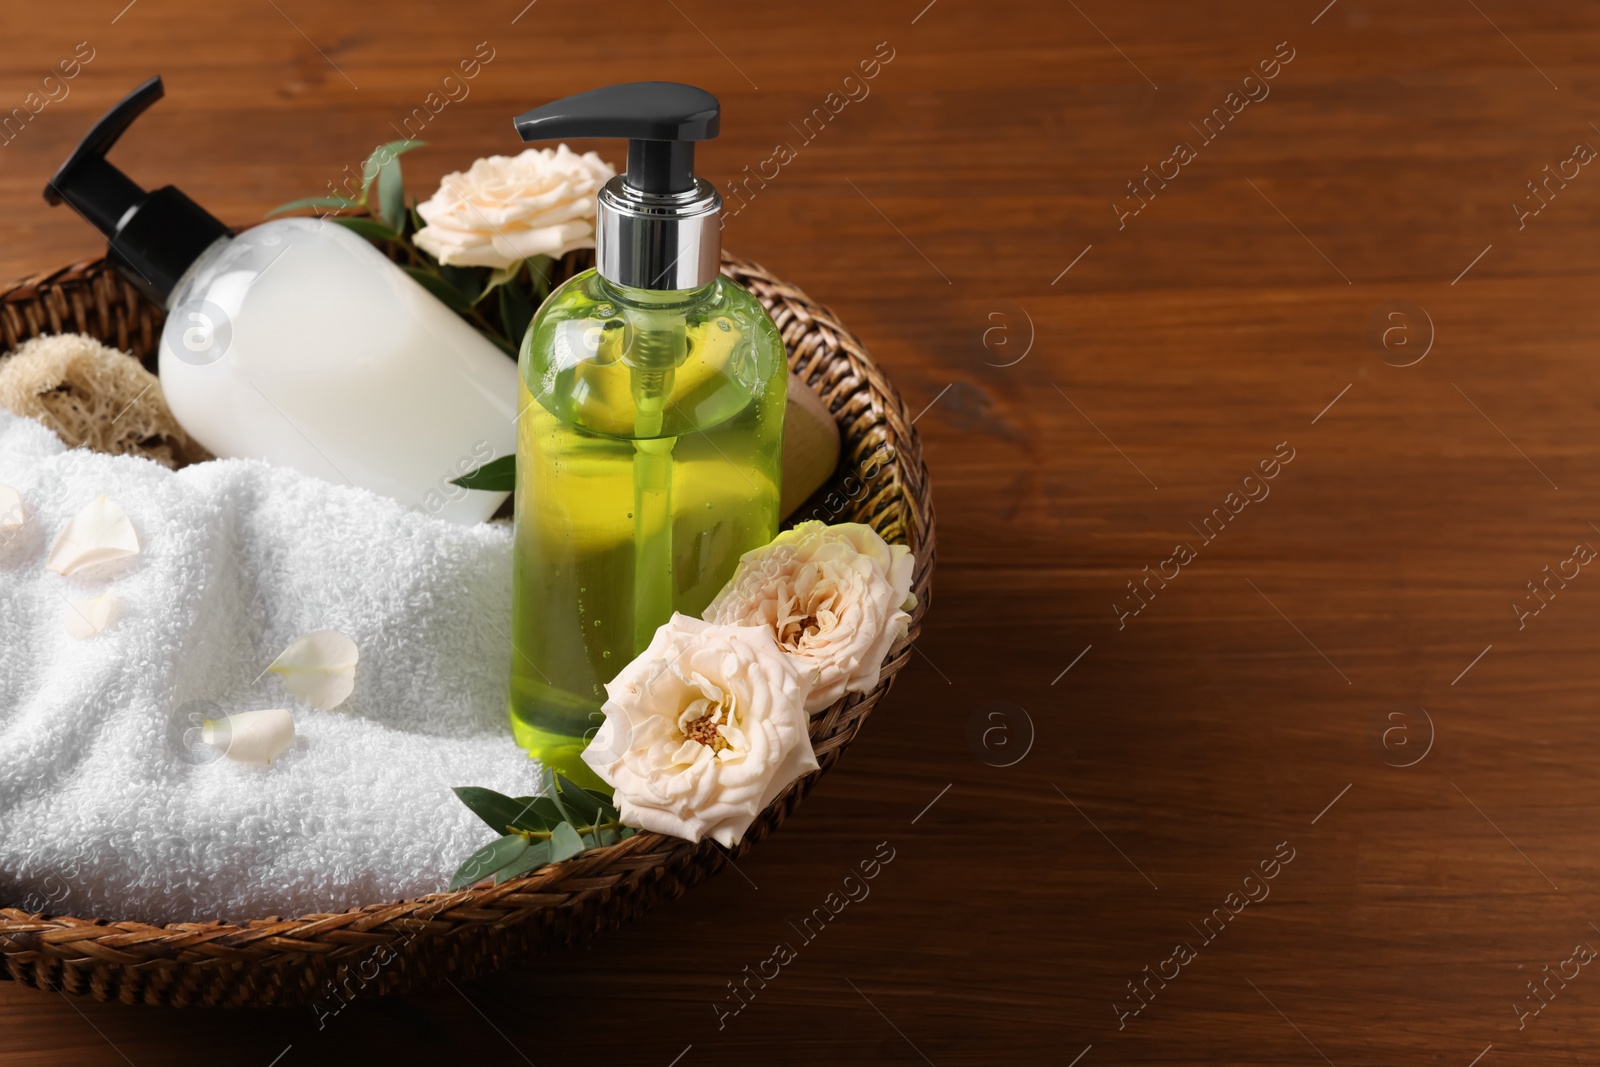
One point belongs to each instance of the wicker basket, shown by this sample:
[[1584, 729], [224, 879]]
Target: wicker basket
[[392, 947]]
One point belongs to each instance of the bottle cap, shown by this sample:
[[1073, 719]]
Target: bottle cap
[[154, 237], [658, 226]]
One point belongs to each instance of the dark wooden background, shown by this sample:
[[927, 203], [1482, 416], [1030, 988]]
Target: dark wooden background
[[1356, 620]]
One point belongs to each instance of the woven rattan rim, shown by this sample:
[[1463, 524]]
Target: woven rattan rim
[[325, 959]]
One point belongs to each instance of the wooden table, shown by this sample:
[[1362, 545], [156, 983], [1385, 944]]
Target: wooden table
[[1152, 675]]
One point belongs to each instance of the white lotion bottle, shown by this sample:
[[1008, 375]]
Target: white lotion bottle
[[299, 343]]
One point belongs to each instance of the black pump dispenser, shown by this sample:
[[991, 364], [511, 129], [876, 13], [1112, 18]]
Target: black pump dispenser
[[657, 226], [661, 120], [154, 237]]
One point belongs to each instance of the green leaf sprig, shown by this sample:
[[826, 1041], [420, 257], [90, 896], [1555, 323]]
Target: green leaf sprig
[[568, 821], [391, 224], [496, 476]]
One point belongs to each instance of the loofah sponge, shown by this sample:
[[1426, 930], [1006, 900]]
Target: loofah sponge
[[94, 397]]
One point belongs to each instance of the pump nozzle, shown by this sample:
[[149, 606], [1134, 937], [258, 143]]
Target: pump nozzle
[[661, 120], [154, 237], [657, 226]]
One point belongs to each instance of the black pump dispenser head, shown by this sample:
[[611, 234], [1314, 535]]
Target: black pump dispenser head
[[658, 225], [154, 237], [661, 120]]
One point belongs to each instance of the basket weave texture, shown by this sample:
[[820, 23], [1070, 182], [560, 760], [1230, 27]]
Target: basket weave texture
[[325, 959]]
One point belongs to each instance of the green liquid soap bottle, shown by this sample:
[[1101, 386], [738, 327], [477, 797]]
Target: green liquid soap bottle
[[650, 433]]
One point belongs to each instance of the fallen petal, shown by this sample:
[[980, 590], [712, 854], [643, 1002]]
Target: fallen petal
[[319, 668], [12, 513], [85, 618], [99, 533], [250, 736]]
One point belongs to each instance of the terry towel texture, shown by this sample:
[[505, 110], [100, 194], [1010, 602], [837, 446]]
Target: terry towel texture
[[105, 812]]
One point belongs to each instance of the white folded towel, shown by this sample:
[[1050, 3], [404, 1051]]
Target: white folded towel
[[102, 814]]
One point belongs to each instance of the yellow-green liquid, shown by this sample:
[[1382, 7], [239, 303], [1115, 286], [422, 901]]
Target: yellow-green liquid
[[649, 453]]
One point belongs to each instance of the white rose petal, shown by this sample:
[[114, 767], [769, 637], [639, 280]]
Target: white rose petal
[[703, 730], [99, 533], [12, 512], [319, 668], [503, 209], [251, 736], [836, 599], [86, 618]]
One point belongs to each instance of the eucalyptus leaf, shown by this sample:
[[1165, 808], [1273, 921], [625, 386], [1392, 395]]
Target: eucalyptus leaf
[[542, 809], [499, 811], [578, 801], [488, 859], [498, 277], [496, 476], [537, 856], [369, 228], [449, 294], [338, 202], [564, 843], [392, 193], [467, 280], [608, 810], [552, 792], [516, 310], [540, 269], [380, 155]]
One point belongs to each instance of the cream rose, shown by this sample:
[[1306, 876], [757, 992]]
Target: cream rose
[[836, 599], [506, 208], [702, 731]]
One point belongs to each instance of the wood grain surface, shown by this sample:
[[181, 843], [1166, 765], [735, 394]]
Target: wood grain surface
[[1338, 676]]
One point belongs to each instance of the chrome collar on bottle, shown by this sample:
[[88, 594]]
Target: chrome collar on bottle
[[658, 240]]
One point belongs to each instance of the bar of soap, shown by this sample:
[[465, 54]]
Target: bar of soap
[[810, 446]]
